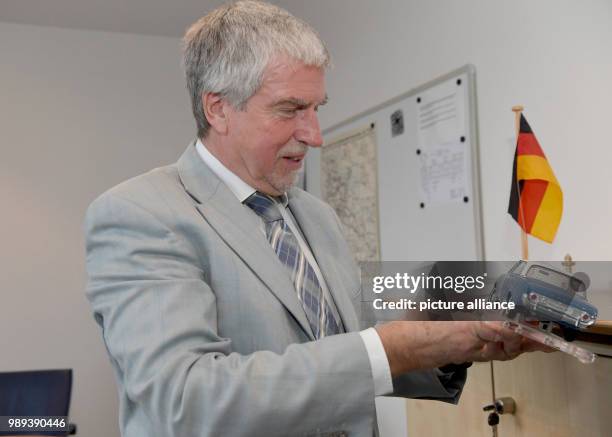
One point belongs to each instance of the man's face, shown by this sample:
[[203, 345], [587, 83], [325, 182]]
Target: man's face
[[270, 137]]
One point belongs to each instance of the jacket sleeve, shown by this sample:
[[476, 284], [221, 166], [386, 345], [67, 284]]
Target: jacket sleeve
[[159, 323], [430, 384]]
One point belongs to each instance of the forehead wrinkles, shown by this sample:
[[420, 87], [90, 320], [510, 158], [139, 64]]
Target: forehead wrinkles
[[283, 72], [278, 78]]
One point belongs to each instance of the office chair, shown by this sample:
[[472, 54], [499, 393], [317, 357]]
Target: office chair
[[36, 393]]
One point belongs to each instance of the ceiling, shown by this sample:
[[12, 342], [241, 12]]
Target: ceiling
[[149, 17]]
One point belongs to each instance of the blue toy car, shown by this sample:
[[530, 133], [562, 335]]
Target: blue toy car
[[541, 293]]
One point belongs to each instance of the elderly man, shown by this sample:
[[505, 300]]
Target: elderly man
[[227, 299]]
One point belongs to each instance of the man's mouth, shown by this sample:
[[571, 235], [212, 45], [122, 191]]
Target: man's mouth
[[294, 158]]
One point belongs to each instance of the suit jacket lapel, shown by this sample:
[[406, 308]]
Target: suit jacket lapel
[[240, 229], [316, 230]]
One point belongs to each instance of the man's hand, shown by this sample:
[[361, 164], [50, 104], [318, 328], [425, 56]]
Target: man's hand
[[427, 345]]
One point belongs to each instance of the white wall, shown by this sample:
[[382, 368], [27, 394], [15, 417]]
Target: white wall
[[79, 112], [554, 57]]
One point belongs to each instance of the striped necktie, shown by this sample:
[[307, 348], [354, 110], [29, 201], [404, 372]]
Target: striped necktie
[[319, 308]]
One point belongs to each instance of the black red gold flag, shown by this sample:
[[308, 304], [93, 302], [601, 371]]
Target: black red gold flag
[[536, 199]]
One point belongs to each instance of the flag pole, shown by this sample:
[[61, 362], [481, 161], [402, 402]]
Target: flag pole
[[518, 109]]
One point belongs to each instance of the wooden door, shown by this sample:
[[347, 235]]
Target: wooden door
[[555, 395]]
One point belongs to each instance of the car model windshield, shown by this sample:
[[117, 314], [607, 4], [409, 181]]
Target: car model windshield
[[549, 276]]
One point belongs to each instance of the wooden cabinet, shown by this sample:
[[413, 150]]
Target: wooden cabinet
[[555, 395]]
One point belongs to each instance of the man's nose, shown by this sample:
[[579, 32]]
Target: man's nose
[[308, 130]]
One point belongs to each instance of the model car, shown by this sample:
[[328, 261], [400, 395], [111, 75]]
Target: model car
[[542, 293]]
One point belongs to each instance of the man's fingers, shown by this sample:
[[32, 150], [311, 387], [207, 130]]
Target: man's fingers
[[500, 343], [492, 341], [494, 332], [492, 351], [513, 347]]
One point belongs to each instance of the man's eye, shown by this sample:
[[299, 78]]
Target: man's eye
[[288, 111]]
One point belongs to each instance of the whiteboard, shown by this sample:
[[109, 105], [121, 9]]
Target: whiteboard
[[428, 178]]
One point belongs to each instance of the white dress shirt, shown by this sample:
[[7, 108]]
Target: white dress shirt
[[379, 363]]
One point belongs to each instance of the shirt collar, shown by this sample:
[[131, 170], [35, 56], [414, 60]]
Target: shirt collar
[[240, 188]]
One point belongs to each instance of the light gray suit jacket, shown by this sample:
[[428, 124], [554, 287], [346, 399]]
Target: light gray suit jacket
[[203, 327]]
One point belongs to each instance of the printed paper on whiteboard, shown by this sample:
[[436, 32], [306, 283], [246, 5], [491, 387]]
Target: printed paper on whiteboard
[[443, 160], [441, 114], [443, 174]]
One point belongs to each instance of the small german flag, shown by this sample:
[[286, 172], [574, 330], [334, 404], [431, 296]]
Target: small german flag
[[536, 200]]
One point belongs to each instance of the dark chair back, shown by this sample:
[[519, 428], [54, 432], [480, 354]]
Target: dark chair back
[[35, 393]]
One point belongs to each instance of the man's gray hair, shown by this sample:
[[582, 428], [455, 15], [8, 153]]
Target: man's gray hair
[[227, 51]]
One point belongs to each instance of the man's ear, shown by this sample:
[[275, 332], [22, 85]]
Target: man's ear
[[215, 111]]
